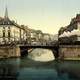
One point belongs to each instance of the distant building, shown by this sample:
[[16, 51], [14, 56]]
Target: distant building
[[32, 35], [35, 35], [46, 36], [39, 35]]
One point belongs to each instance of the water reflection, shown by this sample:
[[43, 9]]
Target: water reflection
[[8, 70], [69, 70], [37, 74], [42, 55], [26, 69]]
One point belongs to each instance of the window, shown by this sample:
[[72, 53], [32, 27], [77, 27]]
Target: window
[[8, 33], [3, 34]]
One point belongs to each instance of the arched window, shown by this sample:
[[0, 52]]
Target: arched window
[[3, 31], [8, 31]]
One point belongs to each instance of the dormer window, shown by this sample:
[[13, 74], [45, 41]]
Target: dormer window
[[3, 22], [8, 22]]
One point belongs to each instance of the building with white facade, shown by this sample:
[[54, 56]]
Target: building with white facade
[[72, 31], [11, 31]]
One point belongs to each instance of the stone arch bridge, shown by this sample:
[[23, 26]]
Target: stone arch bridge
[[24, 49]]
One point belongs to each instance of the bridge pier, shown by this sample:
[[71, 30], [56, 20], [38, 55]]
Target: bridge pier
[[55, 53], [23, 51]]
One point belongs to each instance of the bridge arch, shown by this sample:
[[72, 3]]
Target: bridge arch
[[24, 50]]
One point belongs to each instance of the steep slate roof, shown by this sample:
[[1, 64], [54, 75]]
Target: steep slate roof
[[7, 21], [75, 19]]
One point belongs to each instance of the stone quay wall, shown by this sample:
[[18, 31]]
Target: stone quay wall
[[7, 51], [69, 52]]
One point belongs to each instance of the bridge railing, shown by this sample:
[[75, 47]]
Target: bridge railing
[[35, 43]]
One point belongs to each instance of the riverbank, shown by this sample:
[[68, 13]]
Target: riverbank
[[9, 51], [69, 52]]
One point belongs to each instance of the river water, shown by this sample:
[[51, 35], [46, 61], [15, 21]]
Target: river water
[[34, 68]]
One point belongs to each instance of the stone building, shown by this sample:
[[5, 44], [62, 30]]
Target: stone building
[[70, 32], [46, 37], [39, 35], [11, 31], [35, 35]]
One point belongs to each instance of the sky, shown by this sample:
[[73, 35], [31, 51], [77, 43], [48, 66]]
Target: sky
[[45, 15]]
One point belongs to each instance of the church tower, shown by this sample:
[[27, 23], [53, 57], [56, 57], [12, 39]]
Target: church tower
[[6, 13]]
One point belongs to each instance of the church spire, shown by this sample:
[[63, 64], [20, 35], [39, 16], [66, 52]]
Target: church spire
[[6, 13]]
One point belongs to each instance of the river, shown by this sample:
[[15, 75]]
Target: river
[[35, 67]]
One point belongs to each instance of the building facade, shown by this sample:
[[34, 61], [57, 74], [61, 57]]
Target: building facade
[[70, 33], [11, 31]]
